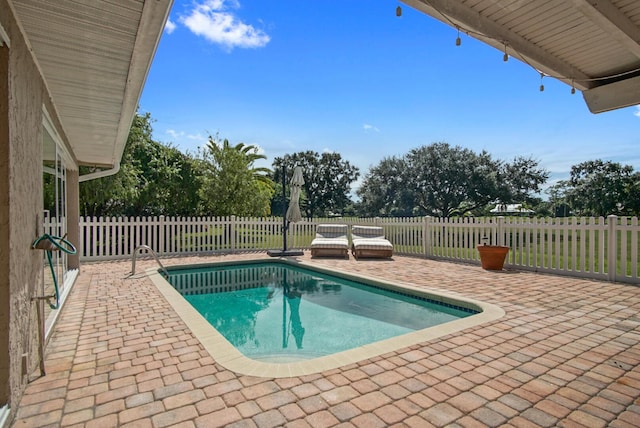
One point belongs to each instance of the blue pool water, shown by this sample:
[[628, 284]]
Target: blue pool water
[[278, 312]]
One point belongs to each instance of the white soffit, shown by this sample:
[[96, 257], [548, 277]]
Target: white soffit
[[593, 45], [94, 56]]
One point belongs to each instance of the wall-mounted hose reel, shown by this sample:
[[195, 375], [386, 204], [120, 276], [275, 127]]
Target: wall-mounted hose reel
[[50, 244]]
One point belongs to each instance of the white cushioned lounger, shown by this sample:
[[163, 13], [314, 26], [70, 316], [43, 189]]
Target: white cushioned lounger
[[369, 241], [330, 240]]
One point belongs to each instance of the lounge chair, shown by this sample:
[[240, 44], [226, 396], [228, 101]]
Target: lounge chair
[[330, 240], [369, 241]]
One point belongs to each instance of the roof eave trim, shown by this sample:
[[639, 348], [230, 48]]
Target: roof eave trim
[[624, 93], [152, 22], [99, 174]]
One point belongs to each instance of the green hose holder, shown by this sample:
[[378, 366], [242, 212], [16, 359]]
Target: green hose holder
[[49, 244]]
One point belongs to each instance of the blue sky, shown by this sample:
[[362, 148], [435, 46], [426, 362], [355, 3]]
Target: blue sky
[[351, 77]]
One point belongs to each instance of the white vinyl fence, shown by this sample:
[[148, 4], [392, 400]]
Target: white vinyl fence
[[591, 247]]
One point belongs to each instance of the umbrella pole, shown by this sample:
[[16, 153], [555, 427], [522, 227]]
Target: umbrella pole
[[284, 210]]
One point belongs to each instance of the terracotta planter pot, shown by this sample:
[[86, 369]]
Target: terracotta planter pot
[[492, 256]]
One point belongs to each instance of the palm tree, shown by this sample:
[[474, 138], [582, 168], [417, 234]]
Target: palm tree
[[233, 185], [247, 154]]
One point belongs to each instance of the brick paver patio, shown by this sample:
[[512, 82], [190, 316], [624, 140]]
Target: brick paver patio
[[565, 354]]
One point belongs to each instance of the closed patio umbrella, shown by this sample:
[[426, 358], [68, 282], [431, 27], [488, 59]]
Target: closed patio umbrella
[[293, 211]]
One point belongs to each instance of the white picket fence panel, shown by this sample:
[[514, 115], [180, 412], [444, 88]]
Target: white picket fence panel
[[590, 247]]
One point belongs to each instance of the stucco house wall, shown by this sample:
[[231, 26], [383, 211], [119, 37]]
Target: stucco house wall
[[23, 94], [4, 224]]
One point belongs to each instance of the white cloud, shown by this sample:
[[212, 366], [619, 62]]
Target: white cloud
[[212, 20], [197, 137], [368, 128], [170, 26], [181, 137], [174, 134], [637, 112]]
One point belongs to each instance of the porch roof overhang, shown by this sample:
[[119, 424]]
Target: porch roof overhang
[[593, 45], [94, 57]]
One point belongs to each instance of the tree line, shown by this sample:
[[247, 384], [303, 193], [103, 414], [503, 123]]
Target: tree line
[[222, 179], [598, 188]]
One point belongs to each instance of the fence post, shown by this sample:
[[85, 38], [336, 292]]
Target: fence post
[[426, 236], [233, 234], [81, 233], [500, 230], [160, 248], [612, 251]]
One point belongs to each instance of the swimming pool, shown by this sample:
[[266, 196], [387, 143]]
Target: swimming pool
[[281, 313], [278, 318]]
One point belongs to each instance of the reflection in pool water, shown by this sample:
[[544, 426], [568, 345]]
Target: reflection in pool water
[[295, 324]]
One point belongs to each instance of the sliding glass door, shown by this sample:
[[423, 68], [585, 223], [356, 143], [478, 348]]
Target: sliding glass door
[[54, 213]]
